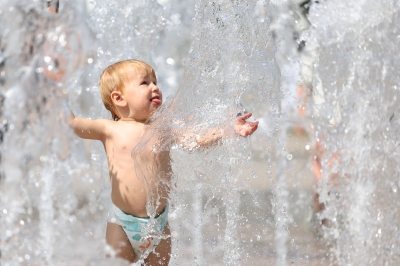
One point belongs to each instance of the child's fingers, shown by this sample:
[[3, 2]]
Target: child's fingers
[[246, 128], [253, 124], [245, 116], [253, 127]]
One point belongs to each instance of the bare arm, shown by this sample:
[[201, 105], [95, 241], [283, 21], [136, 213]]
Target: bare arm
[[89, 129], [242, 128], [210, 138]]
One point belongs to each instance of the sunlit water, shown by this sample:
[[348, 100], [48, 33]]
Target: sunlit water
[[244, 200], [356, 101]]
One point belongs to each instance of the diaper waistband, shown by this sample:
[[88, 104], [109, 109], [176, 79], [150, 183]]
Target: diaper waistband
[[131, 218]]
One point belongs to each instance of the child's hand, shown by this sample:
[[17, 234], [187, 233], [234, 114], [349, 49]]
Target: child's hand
[[244, 128], [66, 113]]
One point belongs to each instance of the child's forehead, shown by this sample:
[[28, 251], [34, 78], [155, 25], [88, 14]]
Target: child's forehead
[[134, 72]]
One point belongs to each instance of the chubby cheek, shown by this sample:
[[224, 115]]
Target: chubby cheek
[[145, 105], [143, 101]]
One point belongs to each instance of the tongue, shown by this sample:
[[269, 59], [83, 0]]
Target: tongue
[[156, 101]]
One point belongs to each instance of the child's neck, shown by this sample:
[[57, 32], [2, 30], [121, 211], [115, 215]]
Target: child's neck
[[128, 119]]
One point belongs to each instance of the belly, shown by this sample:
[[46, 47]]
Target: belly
[[143, 189], [132, 196]]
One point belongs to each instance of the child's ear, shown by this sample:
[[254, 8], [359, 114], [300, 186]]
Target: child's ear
[[118, 98]]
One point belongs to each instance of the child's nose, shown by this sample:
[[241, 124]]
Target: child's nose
[[155, 87]]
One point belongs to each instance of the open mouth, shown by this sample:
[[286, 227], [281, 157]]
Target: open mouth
[[156, 99]]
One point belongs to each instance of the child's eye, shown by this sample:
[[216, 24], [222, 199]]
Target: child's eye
[[144, 83]]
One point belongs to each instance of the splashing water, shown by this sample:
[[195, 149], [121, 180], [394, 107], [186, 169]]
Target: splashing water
[[222, 64], [55, 188], [355, 91], [40, 51], [212, 85]]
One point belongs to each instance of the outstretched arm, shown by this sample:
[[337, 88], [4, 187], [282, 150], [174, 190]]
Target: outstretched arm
[[88, 129], [212, 136]]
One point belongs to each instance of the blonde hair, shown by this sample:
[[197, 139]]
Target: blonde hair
[[114, 77]]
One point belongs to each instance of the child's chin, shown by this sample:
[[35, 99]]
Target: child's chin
[[154, 110]]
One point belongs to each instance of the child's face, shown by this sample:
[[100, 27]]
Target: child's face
[[141, 93]]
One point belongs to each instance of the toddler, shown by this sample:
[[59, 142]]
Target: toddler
[[129, 91]]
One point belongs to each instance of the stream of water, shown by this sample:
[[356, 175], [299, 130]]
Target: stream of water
[[320, 76]]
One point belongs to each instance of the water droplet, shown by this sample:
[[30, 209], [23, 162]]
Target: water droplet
[[170, 61], [47, 59], [289, 157], [307, 147]]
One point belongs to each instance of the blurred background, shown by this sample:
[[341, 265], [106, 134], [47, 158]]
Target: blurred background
[[316, 184]]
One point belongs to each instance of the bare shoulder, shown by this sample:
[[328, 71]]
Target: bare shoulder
[[123, 135], [121, 128], [110, 127], [98, 129], [107, 122]]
